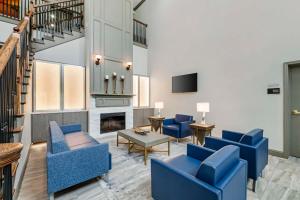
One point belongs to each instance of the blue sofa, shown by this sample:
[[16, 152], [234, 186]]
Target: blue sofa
[[73, 157], [201, 174], [253, 147], [178, 127]]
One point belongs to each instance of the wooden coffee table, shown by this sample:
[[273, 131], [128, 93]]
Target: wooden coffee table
[[144, 141]]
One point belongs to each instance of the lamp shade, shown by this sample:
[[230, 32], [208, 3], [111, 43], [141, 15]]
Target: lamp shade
[[159, 105], [202, 107]]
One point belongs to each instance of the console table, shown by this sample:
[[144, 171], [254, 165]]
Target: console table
[[200, 131], [156, 122]]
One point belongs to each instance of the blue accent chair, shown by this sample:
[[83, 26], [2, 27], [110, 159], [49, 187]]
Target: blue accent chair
[[73, 157], [178, 127], [253, 147], [201, 174]]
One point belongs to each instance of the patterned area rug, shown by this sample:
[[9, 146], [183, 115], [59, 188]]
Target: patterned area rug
[[130, 179]]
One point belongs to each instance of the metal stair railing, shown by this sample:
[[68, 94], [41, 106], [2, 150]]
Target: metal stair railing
[[57, 17]]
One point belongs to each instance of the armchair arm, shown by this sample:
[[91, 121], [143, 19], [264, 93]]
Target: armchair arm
[[230, 135], [70, 128], [168, 121], [185, 125], [257, 156], [170, 183], [198, 152], [71, 167]]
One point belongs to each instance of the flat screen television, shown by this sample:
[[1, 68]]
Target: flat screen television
[[185, 83]]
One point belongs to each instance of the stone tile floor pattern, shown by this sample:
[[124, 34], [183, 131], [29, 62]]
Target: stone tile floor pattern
[[130, 179]]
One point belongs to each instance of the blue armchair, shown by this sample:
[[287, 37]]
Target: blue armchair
[[73, 157], [201, 174], [253, 147], [178, 127]]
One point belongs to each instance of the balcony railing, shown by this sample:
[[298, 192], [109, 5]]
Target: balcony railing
[[139, 33], [55, 18], [14, 9]]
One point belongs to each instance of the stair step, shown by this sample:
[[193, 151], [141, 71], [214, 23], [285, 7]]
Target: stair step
[[59, 35], [14, 168], [19, 115], [67, 32], [26, 76], [24, 83], [23, 92], [17, 130], [38, 41], [50, 38], [23, 103]]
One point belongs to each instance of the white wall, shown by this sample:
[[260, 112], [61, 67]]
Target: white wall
[[140, 60], [5, 30], [72, 52], [237, 47]]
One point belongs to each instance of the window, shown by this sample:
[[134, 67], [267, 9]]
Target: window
[[141, 90], [74, 91], [47, 82], [59, 87]]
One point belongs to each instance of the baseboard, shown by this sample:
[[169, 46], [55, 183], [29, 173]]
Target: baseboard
[[17, 189], [278, 153]]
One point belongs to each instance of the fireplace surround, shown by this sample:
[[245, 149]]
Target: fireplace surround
[[111, 122]]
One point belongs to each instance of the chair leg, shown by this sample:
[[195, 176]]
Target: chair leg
[[51, 196], [106, 178], [254, 186], [177, 140]]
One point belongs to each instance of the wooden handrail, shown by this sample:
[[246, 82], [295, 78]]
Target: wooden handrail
[[23, 23], [52, 2], [7, 50], [12, 41]]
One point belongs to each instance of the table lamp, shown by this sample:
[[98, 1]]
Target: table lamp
[[204, 108], [159, 106]]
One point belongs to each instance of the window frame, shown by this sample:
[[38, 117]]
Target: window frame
[[61, 88], [139, 93]]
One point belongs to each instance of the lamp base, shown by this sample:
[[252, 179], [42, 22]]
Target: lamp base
[[203, 118]]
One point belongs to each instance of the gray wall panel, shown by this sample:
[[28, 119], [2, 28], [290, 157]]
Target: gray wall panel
[[112, 38], [40, 123]]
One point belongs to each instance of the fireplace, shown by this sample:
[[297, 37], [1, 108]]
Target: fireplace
[[110, 122]]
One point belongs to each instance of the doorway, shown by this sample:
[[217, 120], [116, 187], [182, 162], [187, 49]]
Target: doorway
[[292, 109]]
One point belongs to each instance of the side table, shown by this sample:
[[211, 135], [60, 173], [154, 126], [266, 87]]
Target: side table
[[156, 122], [200, 131]]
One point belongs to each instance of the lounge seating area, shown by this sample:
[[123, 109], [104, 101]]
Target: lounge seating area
[[149, 100], [73, 157]]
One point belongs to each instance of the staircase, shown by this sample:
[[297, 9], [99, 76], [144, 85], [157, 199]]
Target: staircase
[[56, 22], [15, 72]]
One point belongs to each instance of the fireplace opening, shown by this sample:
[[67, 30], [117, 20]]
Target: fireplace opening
[[111, 122]]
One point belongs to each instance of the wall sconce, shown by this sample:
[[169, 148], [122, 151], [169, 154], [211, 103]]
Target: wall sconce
[[129, 64], [98, 59]]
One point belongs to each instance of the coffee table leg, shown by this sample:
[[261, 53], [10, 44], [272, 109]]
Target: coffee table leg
[[145, 155], [117, 140], [168, 148], [128, 146]]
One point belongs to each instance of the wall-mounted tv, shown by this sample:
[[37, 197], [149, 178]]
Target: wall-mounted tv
[[185, 83]]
